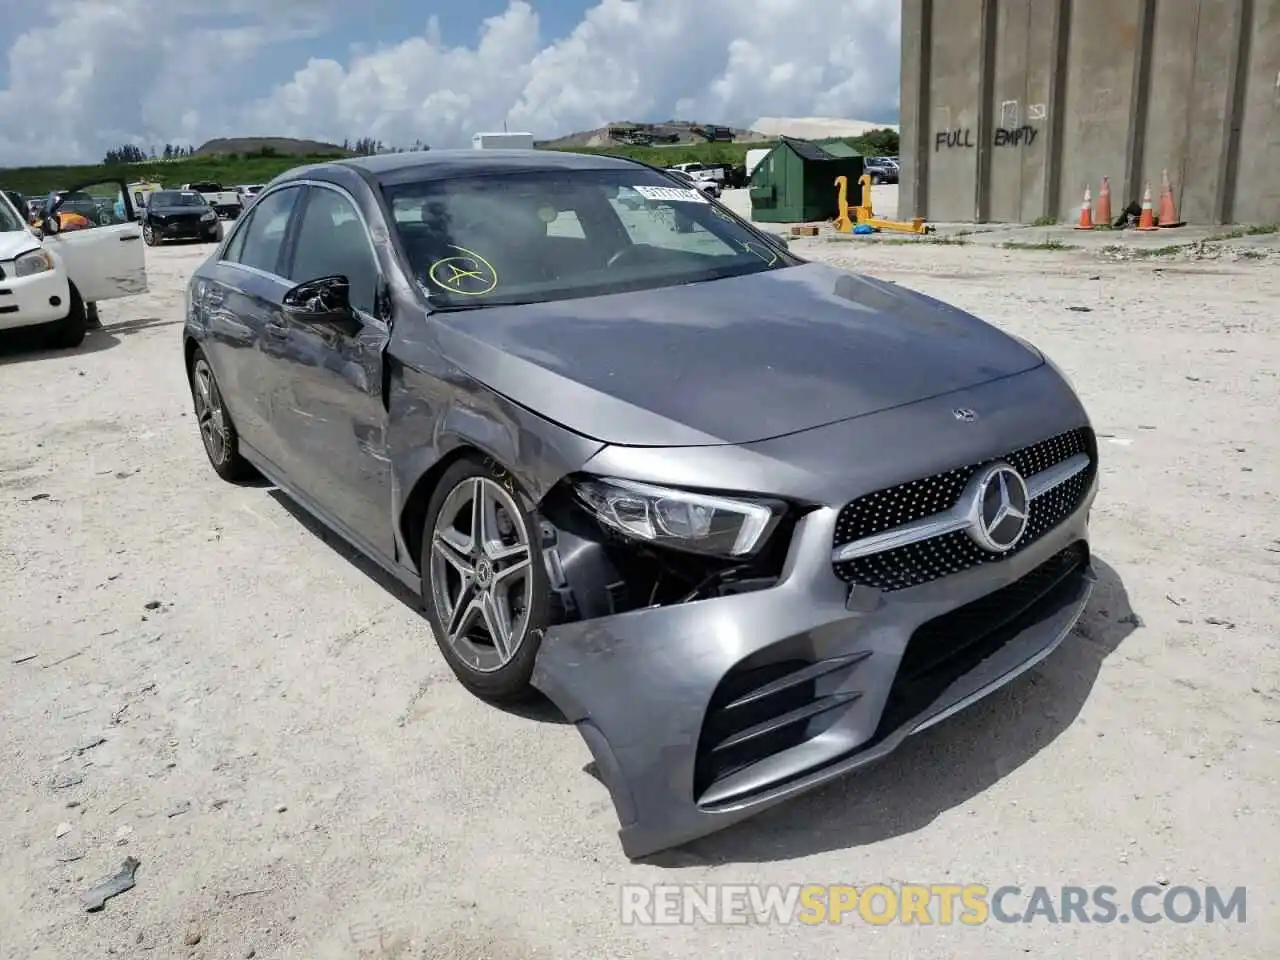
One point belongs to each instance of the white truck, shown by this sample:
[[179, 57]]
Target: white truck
[[226, 203], [502, 141], [701, 171]]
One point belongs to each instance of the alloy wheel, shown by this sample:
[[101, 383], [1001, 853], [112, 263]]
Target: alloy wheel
[[481, 580], [148, 235], [210, 416]]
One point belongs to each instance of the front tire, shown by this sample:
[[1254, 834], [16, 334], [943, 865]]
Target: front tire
[[483, 580], [70, 330], [217, 432], [149, 235]]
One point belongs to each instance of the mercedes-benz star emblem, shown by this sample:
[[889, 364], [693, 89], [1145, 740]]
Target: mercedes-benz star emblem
[[964, 414], [998, 508]]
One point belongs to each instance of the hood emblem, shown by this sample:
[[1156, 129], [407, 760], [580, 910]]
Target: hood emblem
[[998, 508], [964, 414]]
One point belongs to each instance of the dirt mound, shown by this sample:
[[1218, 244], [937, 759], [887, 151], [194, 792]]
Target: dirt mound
[[282, 146]]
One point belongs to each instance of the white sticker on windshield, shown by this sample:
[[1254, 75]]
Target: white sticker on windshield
[[678, 194]]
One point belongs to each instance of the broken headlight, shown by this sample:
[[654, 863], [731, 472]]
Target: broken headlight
[[680, 519]]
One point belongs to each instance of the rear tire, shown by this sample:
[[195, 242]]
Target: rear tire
[[217, 432], [506, 584], [70, 330]]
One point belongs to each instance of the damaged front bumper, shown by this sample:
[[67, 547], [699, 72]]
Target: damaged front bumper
[[699, 715]]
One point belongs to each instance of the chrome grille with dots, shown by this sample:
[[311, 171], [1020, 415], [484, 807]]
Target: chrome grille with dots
[[916, 563]]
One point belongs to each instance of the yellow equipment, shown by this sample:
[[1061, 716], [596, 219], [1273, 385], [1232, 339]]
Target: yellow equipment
[[864, 213]]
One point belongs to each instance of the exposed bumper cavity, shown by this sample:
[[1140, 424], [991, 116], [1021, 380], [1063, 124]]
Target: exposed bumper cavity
[[702, 714]]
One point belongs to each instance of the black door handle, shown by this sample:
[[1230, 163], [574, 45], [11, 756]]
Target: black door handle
[[131, 237]]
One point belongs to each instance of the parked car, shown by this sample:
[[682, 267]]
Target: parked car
[[247, 191], [20, 202], [710, 187], [228, 204], [179, 215], [55, 278], [749, 521], [881, 170]]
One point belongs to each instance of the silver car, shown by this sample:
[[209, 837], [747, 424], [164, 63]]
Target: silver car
[[748, 521]]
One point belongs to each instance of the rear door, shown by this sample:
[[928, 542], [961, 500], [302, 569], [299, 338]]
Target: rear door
[[242, 303], [102, 245]]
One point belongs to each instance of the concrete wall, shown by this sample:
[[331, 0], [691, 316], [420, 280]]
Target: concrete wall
[[1010, 108]]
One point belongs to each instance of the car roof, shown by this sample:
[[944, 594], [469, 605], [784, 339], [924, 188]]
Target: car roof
[[393, 168]]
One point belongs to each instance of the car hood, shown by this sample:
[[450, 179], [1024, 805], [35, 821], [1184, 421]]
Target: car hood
[[16, 242], [728, 361], [171, 210]]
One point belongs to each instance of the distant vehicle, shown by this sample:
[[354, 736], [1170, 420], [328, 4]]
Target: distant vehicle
[[709, 187], [701, 171], [226, 203], [20, 203], [141, 190], [179, 215], [881, 169], [248, 191], [53, 277], [502, 141]]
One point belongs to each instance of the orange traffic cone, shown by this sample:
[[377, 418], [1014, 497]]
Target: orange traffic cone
[[1103, 216], [1168, 210], [1148, 219], [1086, 211]]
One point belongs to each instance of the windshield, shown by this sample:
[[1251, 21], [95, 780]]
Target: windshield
[[176, 198], [538, 236], [9, 218], [207, 187]]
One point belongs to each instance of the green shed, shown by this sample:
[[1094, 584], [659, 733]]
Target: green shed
[[795, 182]]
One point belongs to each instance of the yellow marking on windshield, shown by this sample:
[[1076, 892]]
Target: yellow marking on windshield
[[469, 275]]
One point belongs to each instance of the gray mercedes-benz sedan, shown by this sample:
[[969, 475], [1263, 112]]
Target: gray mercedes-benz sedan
[[748, 521]]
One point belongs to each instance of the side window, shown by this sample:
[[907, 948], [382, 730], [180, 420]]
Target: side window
[[236, 247], [93, 205], [264, 234], [332, 241]]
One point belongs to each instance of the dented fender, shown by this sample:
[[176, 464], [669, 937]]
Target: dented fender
[[435, 409]]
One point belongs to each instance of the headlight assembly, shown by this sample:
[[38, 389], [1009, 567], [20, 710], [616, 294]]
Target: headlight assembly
[[33, 262], [208, 215], [680, 519]]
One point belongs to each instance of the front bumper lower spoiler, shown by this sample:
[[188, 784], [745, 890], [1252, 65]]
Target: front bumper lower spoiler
[[639, 685]]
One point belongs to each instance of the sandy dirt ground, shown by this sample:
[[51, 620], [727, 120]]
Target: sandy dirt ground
[[194, 675]]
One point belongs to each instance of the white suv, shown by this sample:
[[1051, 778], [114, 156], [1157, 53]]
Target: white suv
[[56, 274]]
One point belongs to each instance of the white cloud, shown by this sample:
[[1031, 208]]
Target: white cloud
[[102, 73]]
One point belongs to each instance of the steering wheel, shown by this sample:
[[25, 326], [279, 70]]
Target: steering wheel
[[621, 254]]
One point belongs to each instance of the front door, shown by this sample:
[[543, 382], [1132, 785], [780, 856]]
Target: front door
[[100, 241], [332, 422]]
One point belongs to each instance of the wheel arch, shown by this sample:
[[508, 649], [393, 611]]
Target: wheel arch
[[413, 514], [189, 347]]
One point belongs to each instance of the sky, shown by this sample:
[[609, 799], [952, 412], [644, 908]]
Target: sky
[[81, 76]]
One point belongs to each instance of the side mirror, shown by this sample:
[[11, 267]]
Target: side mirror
[[325, 301], [50, 224]]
